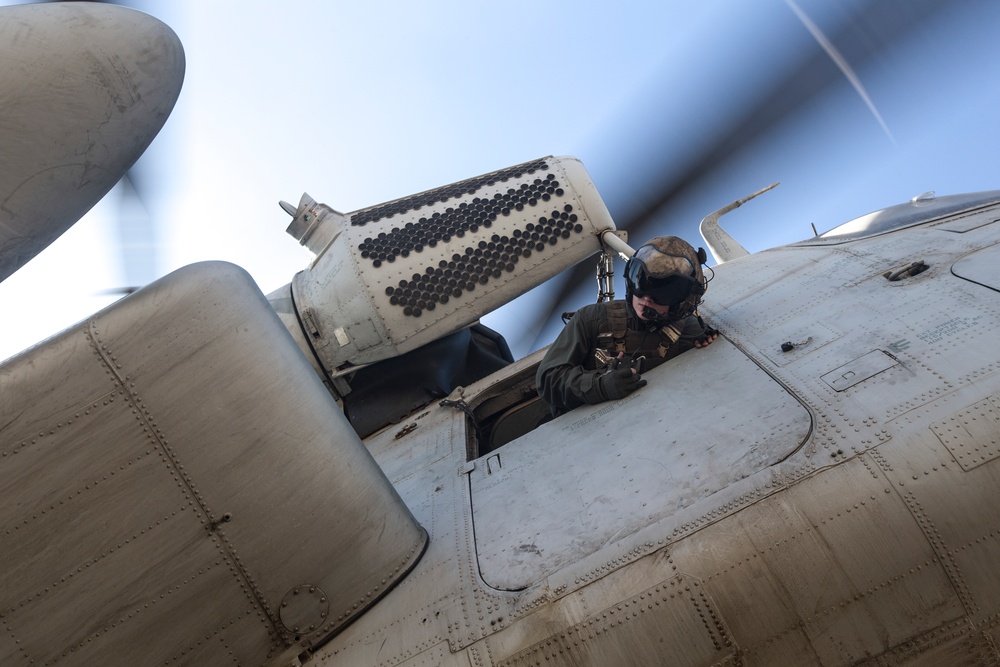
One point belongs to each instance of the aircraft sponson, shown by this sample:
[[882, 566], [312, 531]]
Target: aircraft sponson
[[178, 486]]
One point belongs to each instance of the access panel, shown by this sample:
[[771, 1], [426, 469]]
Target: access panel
[[602, 472]]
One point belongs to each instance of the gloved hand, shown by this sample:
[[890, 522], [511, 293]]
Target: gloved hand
[[708, 334], [619, 382]]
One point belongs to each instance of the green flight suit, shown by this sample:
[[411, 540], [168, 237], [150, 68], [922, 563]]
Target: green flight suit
[[568, 374]]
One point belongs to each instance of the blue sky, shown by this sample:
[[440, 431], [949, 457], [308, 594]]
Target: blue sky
[[360, 103]]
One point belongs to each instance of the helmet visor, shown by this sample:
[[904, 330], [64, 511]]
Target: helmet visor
[[666, 279]]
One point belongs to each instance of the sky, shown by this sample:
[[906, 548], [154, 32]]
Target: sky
[[676, 108]]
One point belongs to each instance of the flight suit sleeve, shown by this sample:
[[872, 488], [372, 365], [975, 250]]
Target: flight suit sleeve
[[691, 330], [562, 380]]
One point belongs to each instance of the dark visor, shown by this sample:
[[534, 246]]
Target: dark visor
[[666, 291]]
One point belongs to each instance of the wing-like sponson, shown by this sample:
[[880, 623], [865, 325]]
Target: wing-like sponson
[[177, 484]]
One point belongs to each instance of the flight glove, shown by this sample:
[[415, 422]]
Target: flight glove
[[707, 332], [619, 383]]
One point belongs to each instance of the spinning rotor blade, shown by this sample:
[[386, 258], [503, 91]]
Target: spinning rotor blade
[[84, 88], [136, 235], [873, 29]]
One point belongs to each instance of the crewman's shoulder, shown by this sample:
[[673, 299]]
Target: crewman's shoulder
[[598, 311]]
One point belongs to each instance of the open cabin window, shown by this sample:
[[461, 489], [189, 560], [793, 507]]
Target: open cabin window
[[565, 488], [508, 409]]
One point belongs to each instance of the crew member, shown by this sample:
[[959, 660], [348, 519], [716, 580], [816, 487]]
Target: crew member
[[601, 353]]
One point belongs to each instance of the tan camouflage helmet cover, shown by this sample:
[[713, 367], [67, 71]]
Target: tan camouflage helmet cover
[[664, 257]]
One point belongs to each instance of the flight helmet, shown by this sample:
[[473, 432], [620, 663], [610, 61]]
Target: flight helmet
[[668, 270]]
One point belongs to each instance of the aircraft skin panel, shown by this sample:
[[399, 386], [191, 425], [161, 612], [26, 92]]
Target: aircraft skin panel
[[770, 552], [943, 492], [72, 505], [419, 457], [636, 631], [873, 543], [950, 644], [162, 574], [879, 582], [179, 474], [616, 467], [982, 267], [970, 434]]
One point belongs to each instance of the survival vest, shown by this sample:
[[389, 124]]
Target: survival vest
[[656, 345]]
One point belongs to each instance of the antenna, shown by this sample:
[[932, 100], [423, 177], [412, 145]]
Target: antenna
[[723, 246]]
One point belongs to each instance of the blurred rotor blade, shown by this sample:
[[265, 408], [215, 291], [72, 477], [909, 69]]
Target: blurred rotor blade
[[136, 235], [661, 178], [84, 88]]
